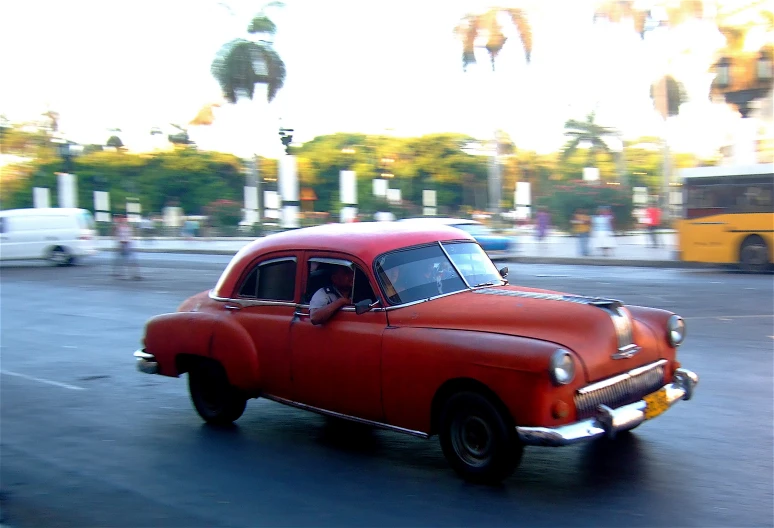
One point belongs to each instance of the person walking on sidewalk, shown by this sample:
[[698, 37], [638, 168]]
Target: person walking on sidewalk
[[602, 229], [542, 220], [653, 221], [581, 226], [125, 256]]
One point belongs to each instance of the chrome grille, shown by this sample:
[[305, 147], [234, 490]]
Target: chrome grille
[[620, 390]]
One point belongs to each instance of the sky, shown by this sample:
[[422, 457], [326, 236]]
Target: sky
[[379, 67]]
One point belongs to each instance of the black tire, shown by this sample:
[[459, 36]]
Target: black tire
[[478, 441], [754, 255], [216, 401], [59, 256]]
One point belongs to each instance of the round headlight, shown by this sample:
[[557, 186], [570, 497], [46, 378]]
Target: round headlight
[[675, 330], [562, 367]]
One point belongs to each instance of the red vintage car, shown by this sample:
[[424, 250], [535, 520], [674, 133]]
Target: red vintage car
[[434, 341]]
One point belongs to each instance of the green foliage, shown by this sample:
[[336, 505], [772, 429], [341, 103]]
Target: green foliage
[[224, 213], [191, 178], [567, 197]]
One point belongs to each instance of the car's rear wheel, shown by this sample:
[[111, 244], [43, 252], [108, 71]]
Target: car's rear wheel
[[214, 398], [477, 439], [754, 255]]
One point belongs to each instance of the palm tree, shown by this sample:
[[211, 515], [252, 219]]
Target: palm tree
[[590, 133], [241, 63], [469, 30], [473, 26]]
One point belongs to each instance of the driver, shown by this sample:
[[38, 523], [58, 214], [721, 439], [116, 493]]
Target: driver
[[329, 299]]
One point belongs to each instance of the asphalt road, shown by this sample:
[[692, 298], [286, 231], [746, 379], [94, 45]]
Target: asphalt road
[[86, 440]]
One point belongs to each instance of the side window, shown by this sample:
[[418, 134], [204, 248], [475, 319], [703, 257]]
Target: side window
[[272, 281]]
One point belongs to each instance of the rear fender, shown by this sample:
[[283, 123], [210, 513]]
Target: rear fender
[[170, 335]]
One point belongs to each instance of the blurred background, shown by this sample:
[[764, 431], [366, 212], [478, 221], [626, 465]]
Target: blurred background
[[243, 117]]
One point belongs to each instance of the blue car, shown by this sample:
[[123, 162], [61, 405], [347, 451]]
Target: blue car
[[488, 239]]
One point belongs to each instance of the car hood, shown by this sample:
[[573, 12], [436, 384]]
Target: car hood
[[593, 328]]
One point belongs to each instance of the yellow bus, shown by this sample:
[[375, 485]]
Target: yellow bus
[[728, 216]]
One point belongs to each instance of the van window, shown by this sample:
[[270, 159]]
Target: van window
[[85, 220], [2, 224]]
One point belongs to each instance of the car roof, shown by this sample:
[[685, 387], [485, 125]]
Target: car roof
[[365, 240], [439, 220]]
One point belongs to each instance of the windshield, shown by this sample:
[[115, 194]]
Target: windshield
[[473, 263], [420, 273]]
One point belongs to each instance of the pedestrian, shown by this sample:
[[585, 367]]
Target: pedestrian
[[542, 221], [125, 257], [653, 221], [581, 225], [602, 229]]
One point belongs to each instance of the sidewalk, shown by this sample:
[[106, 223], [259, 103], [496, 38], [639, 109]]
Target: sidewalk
[[558, 248]]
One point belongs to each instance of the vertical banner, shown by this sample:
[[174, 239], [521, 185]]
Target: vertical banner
[[271, 202], [522, 200], [429, 202], [41, 197], [380, 187], [68, 193], [134, 211], [393, 195], [348, 195], [102, 206], [250, 210], [288, 180]]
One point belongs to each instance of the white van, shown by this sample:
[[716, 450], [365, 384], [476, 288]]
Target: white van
[[60, 235]]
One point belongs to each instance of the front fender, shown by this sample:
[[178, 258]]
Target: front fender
[[417, 362]]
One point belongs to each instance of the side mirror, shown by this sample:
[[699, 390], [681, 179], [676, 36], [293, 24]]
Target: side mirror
[[364, 306], [504, 272]]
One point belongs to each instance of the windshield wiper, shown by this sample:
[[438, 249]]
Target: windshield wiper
[[490, 283]]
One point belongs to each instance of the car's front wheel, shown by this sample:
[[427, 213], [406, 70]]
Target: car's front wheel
[[214, 398], [478, 441]]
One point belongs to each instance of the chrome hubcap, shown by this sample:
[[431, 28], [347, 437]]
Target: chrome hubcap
[[472, 440]]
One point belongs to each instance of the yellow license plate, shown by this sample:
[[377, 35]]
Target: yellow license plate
[[655, 404]]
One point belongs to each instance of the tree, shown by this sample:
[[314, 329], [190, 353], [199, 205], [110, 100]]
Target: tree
[[181, 137], [473, 26], [587, 132], [115, 142], [241, 63]]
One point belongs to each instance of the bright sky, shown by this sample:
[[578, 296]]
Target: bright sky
[[390, 67]]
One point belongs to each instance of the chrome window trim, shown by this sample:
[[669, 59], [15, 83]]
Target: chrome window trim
[[419, 301], [456, 269], [335, 414], [621, 377], [335, 261], [249, 302]]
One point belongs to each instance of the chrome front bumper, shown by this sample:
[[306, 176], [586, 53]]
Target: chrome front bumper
[[608, 421], [146, 362]]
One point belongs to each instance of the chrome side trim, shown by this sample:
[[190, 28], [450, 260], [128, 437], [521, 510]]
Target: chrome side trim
[[412, 303], [334, 414], [621, 377], [146, 362], [608, 421], [250, 302]]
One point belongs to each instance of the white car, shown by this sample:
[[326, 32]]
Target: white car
[[58, 234]]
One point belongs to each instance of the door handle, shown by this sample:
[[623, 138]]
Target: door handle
[[298, 315], [234, 307]]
